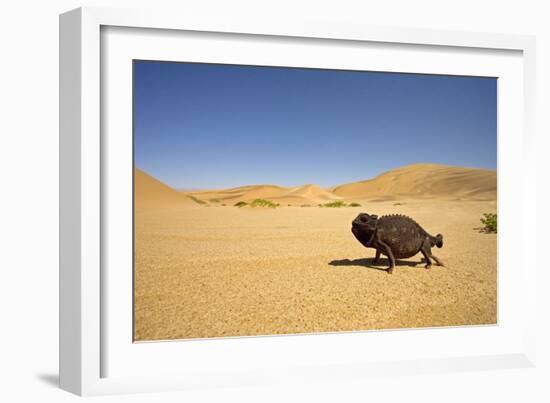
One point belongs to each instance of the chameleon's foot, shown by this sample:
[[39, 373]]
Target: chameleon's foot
[[428, 266], [390, 270]]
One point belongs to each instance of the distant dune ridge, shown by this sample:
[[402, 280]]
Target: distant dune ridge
[[426, 181], [311, 192], [418, 181], [288, 195]]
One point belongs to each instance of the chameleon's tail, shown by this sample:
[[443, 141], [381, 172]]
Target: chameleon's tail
[[437, 240]]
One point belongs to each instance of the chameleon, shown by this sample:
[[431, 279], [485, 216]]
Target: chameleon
[[396, 236]]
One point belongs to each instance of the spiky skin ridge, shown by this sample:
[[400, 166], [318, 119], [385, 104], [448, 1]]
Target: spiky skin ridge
[[402, 234]]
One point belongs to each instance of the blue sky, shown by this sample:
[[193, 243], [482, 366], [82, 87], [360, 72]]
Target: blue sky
[[200, 126]]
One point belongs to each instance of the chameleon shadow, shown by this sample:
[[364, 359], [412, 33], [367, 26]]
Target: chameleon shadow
[[382, 263]]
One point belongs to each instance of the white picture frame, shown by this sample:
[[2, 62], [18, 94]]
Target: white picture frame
[[85, 345]]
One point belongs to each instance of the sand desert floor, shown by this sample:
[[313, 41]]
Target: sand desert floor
[[227, 271]]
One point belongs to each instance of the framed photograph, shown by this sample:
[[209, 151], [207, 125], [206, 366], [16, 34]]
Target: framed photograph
[[251, 202]]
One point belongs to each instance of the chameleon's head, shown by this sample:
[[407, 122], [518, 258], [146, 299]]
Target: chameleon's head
[[363, 225]]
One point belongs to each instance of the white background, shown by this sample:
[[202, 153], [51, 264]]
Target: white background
[[28, 202]]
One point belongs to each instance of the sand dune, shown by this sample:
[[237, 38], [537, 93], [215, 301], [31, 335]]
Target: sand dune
[[242, 193], [306, 194], [425, 181], [297, 195], [150, 192], [312, 192]]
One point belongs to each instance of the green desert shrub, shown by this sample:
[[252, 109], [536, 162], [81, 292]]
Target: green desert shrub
[[257, 203], [489, 221], [263, 203], [199, 201], [355, 205], [334, 204]]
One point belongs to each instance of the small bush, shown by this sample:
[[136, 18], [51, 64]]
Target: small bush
[[334, 204], [489, 221], [305, 205], [355, 205], [199, 201], [263, 203], [240, 204]]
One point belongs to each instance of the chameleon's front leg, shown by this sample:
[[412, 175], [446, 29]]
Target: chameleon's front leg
[[427, 252], [389, 253], [377, 257]]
